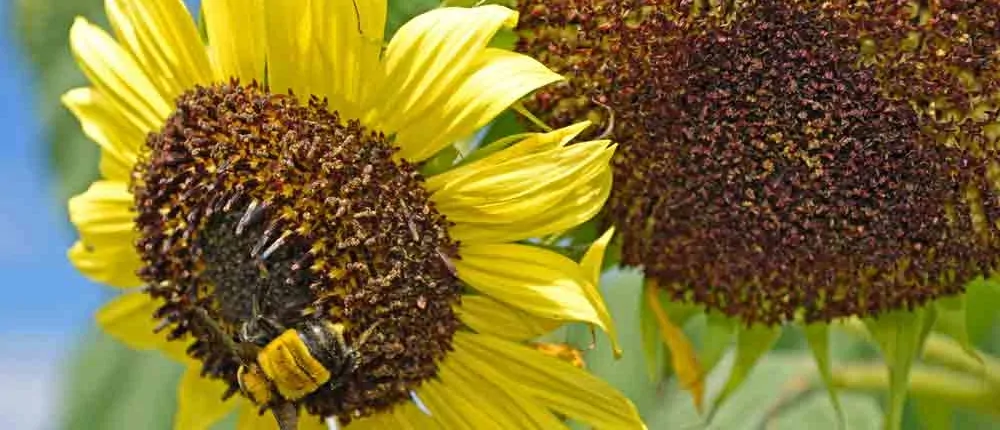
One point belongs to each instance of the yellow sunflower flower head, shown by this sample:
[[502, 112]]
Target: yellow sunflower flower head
[[789, 161], [262, 200]]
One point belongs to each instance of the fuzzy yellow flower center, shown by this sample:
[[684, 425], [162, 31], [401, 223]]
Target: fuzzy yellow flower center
[[266, 214]]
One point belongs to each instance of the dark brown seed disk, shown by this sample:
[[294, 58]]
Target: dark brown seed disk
[[765, 170], [266, 213]]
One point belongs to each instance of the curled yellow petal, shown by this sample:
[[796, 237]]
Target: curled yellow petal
[[682, 355], [591, 264]]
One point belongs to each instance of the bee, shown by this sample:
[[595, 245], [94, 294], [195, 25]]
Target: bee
[[300, 360]]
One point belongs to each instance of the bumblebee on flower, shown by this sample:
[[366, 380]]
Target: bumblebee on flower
[[291, 248]]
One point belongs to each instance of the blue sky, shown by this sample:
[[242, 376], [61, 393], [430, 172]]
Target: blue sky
[[43, 293], [45, 304]]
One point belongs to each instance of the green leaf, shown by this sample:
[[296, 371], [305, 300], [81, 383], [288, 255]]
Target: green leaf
[[813, 412], [818, 336], [900, 335], [751, 344], [401, 11]]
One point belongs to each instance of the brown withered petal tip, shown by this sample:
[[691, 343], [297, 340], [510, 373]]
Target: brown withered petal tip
[[781, 158], [247, 196]]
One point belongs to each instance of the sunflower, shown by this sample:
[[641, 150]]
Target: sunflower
[[274, 178], [790, 162]]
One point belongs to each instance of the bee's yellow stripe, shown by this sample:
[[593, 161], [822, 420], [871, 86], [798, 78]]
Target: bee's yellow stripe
[[255, 384], [292, 368]]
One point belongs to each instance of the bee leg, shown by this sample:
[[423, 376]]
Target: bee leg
[[287, 416], [214, 329], [245, 352], [365, 335]]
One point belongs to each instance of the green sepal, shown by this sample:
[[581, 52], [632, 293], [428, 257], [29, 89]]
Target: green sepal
[[982, 302], [751, 343], [818, 336], [900, 336], [952, 320], [719, 330]]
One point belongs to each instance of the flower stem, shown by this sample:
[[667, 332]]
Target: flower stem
[[927, 383]]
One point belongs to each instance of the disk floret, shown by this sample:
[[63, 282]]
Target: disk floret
[[266, 212]]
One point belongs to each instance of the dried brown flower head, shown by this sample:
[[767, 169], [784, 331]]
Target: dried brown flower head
[[782, 157]]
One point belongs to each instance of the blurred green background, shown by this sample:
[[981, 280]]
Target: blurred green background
[[58, 372]]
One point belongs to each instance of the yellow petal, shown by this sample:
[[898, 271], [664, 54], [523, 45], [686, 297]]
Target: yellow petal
[[493, 387], [106, 252], [402, 417], [591, 264], [517, 190], [119, 141], [162, 36], [129, 318], [683, 358], [199, 401], [117, 75], [236, 38], [552, 382], [538, 281], [475, 402], [251, 419], [446, 410], [437, 65], [578, 205], [531, 143], [347, 42], [499, 78], [289, 42], [593, 260], [486, 315]]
